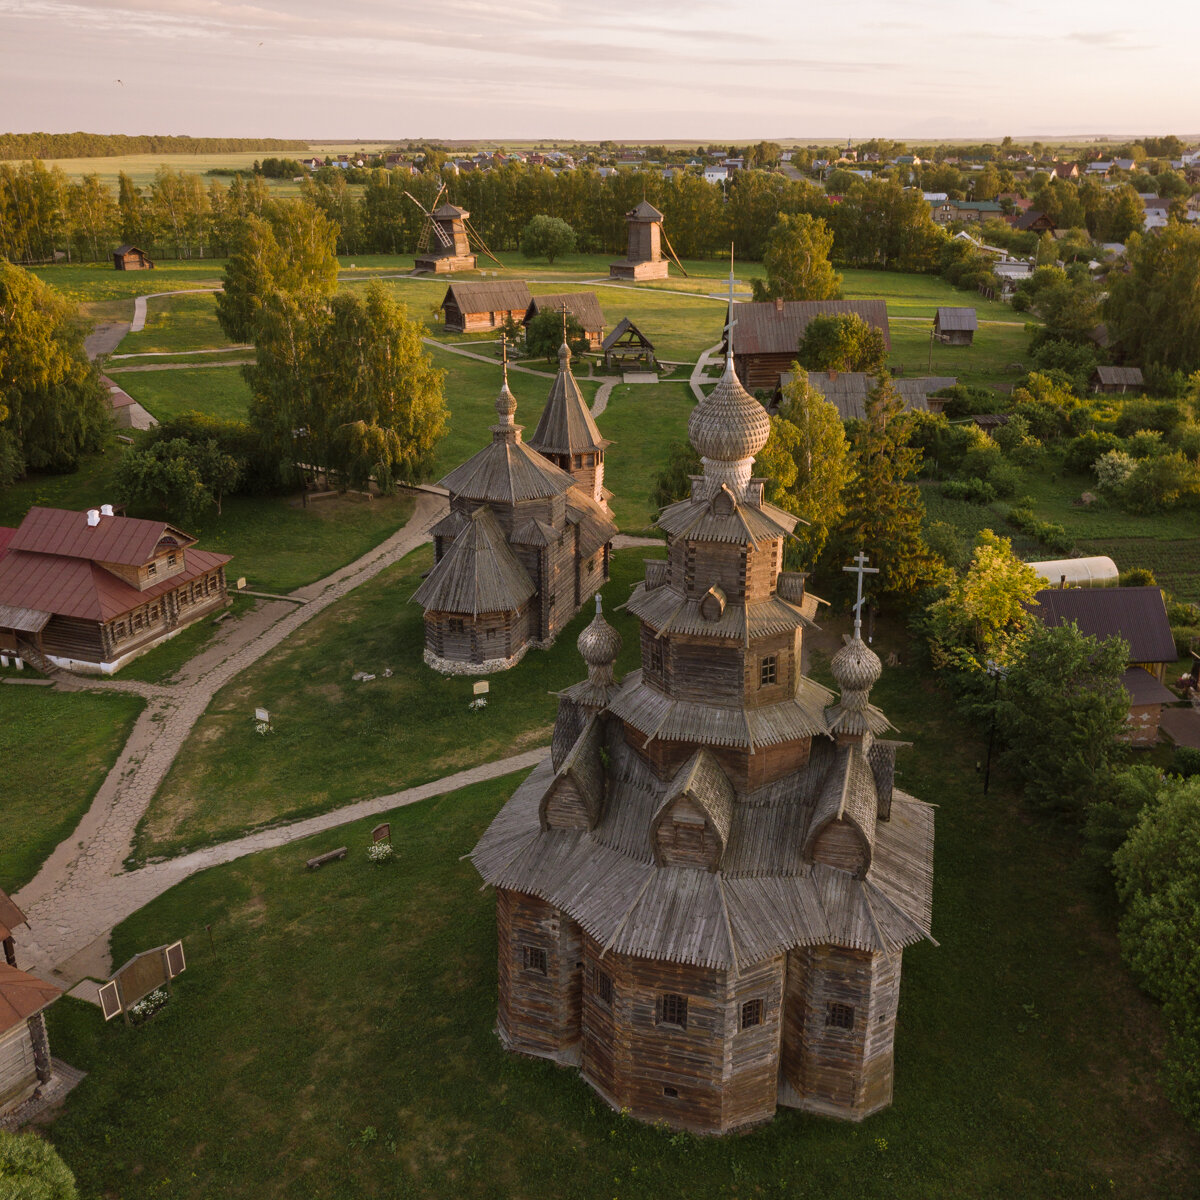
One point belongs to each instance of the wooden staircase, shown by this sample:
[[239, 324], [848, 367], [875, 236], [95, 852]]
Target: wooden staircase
[[35, 658]]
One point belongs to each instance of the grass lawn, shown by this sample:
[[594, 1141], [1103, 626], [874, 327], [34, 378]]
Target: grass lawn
[[160, 664], [178, 323], [56, 748], [337, 1039], [336, 740], [218, 391], [84, 283], [642, 420], [989, 361]]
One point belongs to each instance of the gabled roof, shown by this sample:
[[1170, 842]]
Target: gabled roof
[[644, 212], [848, 390], [957, 318], [501, 296], [583, 306], [765, 327], [22, 995], [624, 326], [124, 540], [566, 425], [583, 768], [11, 917], [1120, 376], [1143, 688], [449, 212], [506, 471], [478, 573], [848, 794], [1031, 217], [701, 780], [1136, 614]]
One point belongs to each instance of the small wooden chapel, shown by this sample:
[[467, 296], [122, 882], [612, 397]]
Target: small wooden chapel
[[704, 894]]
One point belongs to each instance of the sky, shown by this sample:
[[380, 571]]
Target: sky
[[644, 70]]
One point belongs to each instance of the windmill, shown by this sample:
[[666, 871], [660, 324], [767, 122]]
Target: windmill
[[448, 239], [644, 258]]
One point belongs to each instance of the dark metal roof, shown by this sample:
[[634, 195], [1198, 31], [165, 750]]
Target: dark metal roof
[[769, 327], [1136, 614], [583, 306], [624, 326], [1143, 688], [125, 540], [956, 319], [501, 296]]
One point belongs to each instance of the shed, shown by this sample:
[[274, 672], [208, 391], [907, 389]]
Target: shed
[[1116, 380], [627, 343], [130, 258], [1094, 571], [955, 326], [583, 306], [1146, 699], [767, 333], [470, 307], [24, 1047]]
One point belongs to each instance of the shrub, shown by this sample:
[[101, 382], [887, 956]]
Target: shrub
[[1005, 478], [1163, 415], [1180, 612], [1084, 450], [1165, 482], [1187, 637], [1137, 577], [948, 543], [1113, 469], [1145, 443], [1051, 535], [964, 400], [31, 1167], [974, 491]]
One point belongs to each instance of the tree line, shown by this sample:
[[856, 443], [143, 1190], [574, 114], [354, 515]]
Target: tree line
[[110, 145]]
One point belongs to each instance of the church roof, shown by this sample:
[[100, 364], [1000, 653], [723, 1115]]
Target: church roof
[[695, 518], [596, 527], [506, 471], [566, 425], [477, 574]]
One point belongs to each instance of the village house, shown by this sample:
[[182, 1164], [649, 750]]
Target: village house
[[767, 334], [527, 539], [89, 591], [130, 258], [472, 307], [1033, 221], [955, 326], [704, 894], [583, 306], [1113, 381]]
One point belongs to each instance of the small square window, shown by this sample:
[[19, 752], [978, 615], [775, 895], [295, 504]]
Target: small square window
[[672, 1010], [604, 988], [535, 960], [839, 1016], [752, 1013], [152, 569], [455, 624], [670, 1091], [170, 560], [768, 670]]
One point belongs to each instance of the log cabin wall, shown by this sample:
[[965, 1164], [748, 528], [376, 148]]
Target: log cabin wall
[[540, 975], [695, 669], [774, 659], [72, 637], [761, 371], [717, 564], [754, 1016], [762, 569], [840, 844]]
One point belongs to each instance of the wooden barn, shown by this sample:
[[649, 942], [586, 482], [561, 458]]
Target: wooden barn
[[767, 334], [527, 539], [130, 258], [476, 307], [1114, 381], [703, 896], [583, 306], [628, 345], [449, 247], [848, 390], [955, 326], [89, 591], [643, 256]]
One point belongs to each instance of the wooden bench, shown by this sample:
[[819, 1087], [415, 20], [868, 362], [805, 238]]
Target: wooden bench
[[321, 859]]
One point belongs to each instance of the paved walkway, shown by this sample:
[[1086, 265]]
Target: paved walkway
[[75, 898]]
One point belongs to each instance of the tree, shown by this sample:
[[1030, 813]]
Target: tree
[[842, 342], [796, 258], [1153, 310], [1158, 881], [807, 459], [180, 477], [544, 335], [1062, 710], [547, 237], [52, 405], [292, 252], [31, 1169], [674, 481], [883, 508], [984, 611], [346, 386]]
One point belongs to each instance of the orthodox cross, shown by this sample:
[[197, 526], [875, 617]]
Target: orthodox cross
[[729, 319], [564, 319], [860, 569], [504, 355]]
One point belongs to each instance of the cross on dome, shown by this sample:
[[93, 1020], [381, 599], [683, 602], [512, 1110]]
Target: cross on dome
[[860, 569]]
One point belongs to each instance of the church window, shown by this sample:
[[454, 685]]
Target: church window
[[672, 1010], [839, 1016], [535, 960], [670, 1091], [654, 659], [604, 988], [768, 670], [752, 1013], [455, 624]]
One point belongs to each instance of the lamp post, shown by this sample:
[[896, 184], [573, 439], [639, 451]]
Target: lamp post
[[997, 672]]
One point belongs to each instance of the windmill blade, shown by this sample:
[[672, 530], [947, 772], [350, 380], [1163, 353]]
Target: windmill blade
[[431, 226], [473, 236]]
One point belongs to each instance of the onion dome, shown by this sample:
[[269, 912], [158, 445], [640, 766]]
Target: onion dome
[[564, 355], [506, 403], [856, 667], [729, 425], [599, 643]]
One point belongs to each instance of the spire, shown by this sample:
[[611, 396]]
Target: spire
[[506, 402], [729, 319], [564, 351]]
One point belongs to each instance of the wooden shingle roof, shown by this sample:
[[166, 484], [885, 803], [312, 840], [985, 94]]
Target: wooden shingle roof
[[500, 296], [1136, 614], [566, 425], [848, 390], [506, 471], [957, 319], [624, 326], [1120, 376], [768, 327], [478, 573], [583, 306], [644, 212]]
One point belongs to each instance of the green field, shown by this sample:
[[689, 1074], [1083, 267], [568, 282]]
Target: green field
[[175, 323], [93, 282], [336, 1039], [161, 664], [218, 391], [56, 749], [337, 740]]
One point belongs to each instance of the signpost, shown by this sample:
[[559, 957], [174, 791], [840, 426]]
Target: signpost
[[481, 687], [139, 977], [382, 832], [262, 716]]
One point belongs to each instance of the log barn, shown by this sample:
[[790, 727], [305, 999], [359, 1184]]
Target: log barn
[[475, 307], [583, 306], [955, 326], [767, 334], [704, 894], [527, 538], [130, 258], [1114, 381], [89, 591]]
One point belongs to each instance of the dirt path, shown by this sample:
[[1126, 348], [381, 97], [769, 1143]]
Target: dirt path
[[139, 304], [76, 897]]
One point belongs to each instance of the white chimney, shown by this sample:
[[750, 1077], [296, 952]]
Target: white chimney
[[106, 510], [93, 517]]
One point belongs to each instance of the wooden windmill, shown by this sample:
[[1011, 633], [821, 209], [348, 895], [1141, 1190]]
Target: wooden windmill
[[644, 257], [448, 240]]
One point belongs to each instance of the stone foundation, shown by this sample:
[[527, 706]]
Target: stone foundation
[[638, 270]]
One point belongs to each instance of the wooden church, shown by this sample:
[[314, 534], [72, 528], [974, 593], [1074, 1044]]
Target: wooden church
[[704, 894], [527, 539]]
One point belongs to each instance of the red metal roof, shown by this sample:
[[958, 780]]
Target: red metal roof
[[73, 587], [125, 540], [22, 995], [10, 915], [6, 535], [1136, 614]]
